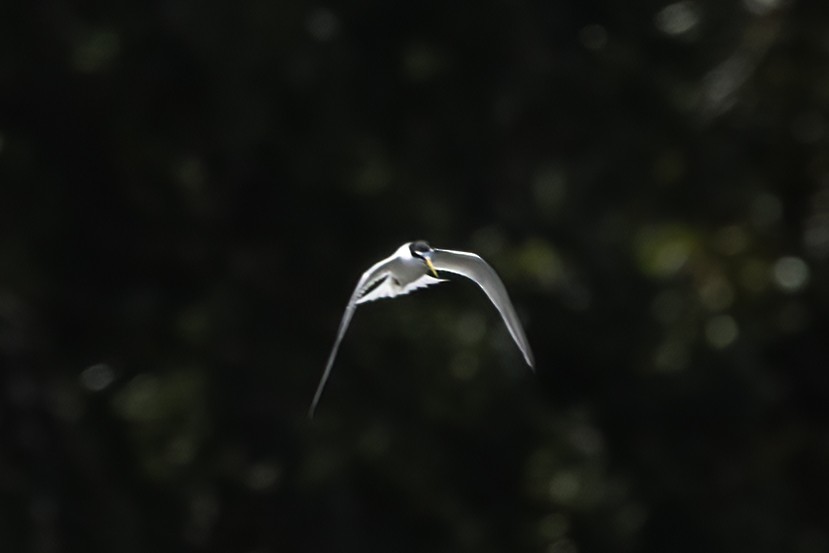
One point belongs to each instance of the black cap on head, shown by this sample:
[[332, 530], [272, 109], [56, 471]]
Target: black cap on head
[[419, 247]]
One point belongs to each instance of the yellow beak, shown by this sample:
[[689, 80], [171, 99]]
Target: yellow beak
[[431, 267]]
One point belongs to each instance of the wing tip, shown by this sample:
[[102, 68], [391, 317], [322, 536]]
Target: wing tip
[[313, 408], [529, 358]]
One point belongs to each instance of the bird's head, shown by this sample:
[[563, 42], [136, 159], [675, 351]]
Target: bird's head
[[422, 250]]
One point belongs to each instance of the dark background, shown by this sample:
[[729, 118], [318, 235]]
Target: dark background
[[190, 190]]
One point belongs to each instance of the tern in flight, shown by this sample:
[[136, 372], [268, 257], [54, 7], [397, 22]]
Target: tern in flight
[[415, 265]]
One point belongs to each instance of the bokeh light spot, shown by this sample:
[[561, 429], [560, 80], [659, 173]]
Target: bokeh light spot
[[629, 519], [732, 240], [554, 526], [816, 235], [489, 241], [586, 439], [323, 24], [716, 293], [564, 545], [375, 441], [464, 366], [191, 173], [678, 19], [791, 273], [564, 486], [96, 51], [672, 356], [471, 328], [261, 477], [550, 190], [181, 450], [663, 250], [761, 7], [754, 275], [373, 176], [721, 331], [593, 37], [541, 260], [422, 62], [97, 377], [139, 400]]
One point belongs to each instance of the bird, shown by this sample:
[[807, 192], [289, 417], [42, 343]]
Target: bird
[[416, 265]]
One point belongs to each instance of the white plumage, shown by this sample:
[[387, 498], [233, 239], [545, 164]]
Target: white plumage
[[408, 269]]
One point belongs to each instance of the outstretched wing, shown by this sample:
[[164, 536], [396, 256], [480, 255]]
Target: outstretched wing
[[378, 271], [474, 268], [390, 288]]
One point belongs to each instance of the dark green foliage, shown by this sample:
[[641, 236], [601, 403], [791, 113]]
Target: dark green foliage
[[190, 190]]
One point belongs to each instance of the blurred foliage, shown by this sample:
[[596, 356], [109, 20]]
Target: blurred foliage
[[189, 191]]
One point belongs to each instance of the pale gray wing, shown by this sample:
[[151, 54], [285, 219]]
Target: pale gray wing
[[474, 268], [377, 272]]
